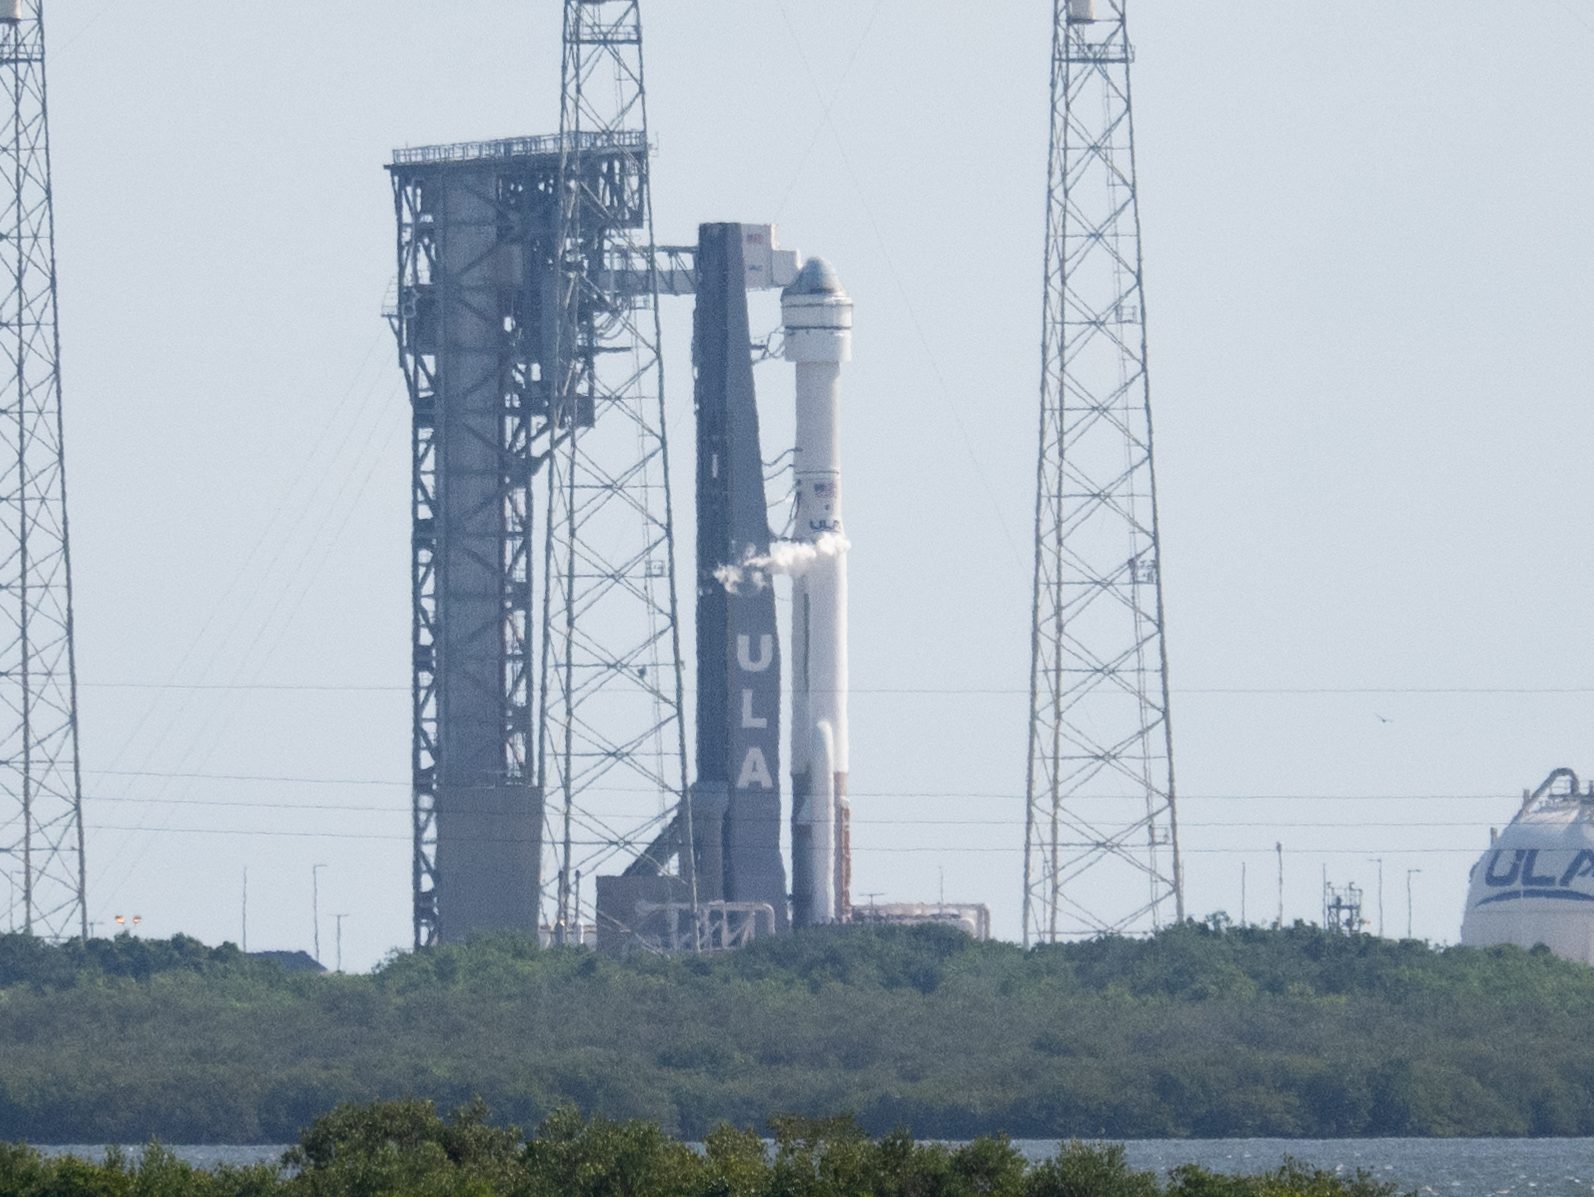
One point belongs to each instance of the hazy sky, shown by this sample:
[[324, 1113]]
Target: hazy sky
[[1368, 263]]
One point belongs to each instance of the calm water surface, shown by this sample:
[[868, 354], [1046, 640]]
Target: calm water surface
[[1448, 1167], [1442, 1167]]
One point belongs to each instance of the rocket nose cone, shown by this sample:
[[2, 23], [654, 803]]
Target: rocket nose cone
[[817, 277]]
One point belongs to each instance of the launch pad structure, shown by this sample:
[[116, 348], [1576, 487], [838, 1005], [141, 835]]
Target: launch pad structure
[[477, 228], [741, 878], [548, 739], [479, 333], [546, 688]]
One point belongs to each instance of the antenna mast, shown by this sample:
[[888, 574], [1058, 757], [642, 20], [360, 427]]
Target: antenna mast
[[1101, 834]]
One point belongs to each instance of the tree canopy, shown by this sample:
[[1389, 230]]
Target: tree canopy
[[404, 1149], [1202, 1030]]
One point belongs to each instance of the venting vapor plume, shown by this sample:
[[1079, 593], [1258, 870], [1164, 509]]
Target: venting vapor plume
[[790, 558]]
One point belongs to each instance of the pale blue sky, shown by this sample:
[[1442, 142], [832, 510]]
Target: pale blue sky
[[1368, 264]]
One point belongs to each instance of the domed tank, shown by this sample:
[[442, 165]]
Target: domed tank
[[1535, 884]]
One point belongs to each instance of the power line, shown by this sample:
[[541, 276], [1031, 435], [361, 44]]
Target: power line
[[954, 691], [257, 777], [57, 51], [915, 821], [932, 359], [894, 849], [307, 545], [292, 687], [825, 107], [998, 795]]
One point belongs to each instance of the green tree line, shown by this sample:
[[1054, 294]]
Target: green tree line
[[1200, 1031], [403, 1149]]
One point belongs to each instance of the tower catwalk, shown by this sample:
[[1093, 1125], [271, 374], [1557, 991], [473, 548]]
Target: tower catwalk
[[1101, 832], [41, 815]]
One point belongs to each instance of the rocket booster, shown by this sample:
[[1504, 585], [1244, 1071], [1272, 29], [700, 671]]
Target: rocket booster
[[817, 317]]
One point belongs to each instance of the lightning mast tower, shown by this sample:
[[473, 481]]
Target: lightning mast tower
[[41, 811], [611, 734], [1101, 832]]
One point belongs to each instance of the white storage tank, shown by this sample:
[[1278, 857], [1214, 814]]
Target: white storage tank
[[1535, 884]]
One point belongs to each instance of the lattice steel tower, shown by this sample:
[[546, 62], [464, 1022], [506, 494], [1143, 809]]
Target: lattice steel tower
[[1101, 833], [612, 755], [41, 814]]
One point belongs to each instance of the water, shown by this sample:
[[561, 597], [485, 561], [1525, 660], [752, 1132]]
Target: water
[[201, 1155], [1446, 1167], [1430, 1167]]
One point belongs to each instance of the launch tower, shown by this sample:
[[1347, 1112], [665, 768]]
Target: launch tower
[[548, 740], [41, 814], [476, 228], [1101, 833]]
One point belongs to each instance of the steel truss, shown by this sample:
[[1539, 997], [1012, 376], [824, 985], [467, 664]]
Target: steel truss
[[612, 749], [1101, 833], [41, 810]]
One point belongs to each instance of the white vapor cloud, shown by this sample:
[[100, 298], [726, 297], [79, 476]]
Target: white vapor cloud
[[791, 558]]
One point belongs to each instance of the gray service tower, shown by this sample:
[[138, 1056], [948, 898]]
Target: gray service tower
[[474, 317]]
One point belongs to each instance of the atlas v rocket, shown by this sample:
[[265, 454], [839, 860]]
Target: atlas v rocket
[[737, 811], [816, 315]]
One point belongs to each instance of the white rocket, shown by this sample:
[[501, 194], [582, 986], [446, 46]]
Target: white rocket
[[817, 317]]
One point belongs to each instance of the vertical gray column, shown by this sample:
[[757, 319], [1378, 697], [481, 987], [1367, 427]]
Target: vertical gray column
[[488, 822], [738, 710]]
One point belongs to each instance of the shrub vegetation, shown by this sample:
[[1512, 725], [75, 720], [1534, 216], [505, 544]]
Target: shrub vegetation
[[1203, 1030], [403, 1149]]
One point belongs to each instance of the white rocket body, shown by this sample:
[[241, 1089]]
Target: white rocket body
[[817, 317]]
